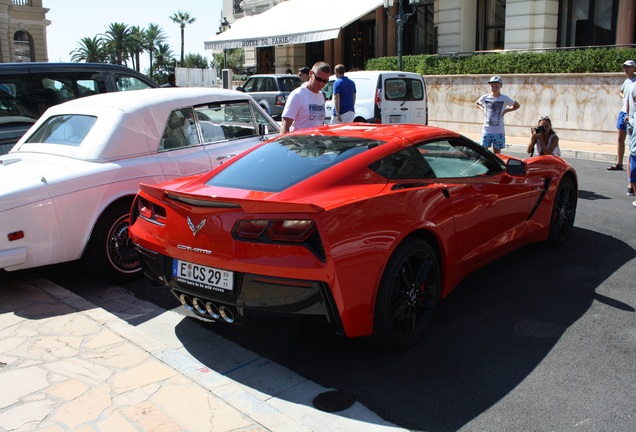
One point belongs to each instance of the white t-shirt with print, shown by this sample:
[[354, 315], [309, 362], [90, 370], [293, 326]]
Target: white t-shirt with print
[[306, 108], [493, 109]]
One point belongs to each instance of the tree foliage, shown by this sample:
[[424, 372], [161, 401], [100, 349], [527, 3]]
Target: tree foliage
[[164, 63], [235, 59], [117, 38], [154, 36], [584, 60], [183, 19], [136, 44], [124, 45], [90, 50], [195, 61]]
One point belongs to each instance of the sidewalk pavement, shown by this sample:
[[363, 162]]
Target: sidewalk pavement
[[569, 149], [66, 364]]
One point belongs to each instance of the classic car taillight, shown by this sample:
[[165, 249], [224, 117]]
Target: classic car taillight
[[280, 100], [17, 235]]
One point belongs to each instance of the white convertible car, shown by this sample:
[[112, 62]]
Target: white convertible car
[[66, 187]]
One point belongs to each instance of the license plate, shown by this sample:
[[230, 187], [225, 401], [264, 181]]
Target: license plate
[[203, 276], [395, 119]]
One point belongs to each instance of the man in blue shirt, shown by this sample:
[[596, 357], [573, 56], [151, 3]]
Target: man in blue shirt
[[344, 97]]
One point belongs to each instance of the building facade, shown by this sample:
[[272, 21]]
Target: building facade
[[447, 27], [23, 31]]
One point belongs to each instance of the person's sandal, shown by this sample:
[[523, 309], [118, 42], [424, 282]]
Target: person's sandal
[[615, 167]]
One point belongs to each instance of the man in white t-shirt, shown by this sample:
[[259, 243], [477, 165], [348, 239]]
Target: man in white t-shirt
[[305, 107]]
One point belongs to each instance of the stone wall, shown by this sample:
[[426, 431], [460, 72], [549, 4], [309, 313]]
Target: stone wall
[[582, 107]]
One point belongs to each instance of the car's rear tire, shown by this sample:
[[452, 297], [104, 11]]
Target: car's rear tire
[[408, 296], [109, 252], [563, 212]]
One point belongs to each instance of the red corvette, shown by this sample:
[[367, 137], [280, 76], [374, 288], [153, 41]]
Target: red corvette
[[366, 225]]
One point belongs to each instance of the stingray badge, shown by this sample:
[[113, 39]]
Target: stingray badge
[[195, 229]]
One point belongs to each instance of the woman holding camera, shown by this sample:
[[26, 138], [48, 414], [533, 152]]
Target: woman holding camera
[[544, 140]]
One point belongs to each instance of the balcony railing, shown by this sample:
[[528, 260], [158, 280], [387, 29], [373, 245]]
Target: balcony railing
[[21, 2]]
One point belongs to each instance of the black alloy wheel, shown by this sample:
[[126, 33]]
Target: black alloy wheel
[[563, 212], [408, 295]]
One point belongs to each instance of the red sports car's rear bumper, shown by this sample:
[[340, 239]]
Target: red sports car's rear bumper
[[252, 294]]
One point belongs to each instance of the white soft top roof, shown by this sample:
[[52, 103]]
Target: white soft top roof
[[128, 123]]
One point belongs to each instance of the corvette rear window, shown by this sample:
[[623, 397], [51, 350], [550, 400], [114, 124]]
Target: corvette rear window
[[287, 161]]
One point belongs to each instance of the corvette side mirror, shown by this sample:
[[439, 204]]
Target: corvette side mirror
[[516, 168]]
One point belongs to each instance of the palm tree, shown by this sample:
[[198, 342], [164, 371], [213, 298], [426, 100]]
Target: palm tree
[[164, 62], [89, 50], [182, 18], [136, 44], [117, 36], [154, 36]]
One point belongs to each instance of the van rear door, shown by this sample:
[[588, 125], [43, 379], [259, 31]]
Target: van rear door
[[401, 99]]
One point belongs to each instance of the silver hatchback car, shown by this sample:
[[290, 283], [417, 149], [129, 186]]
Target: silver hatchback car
[[271, 91]]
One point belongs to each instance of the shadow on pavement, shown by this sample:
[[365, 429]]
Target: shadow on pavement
[[493, 330], [591, 196], [490, 333], [133, 301]]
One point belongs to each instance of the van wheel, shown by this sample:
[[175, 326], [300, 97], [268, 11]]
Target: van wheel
[[109, 252], [359, 120]]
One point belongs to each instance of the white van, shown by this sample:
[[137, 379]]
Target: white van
[[384, 97]]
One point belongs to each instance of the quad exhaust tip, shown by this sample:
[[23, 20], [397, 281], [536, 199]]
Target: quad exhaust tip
[[226, 314], [195, 304]]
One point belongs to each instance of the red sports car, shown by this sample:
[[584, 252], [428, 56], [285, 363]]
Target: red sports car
[[366, 225]]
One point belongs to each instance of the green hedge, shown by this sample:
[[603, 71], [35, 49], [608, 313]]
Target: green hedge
[[513, 62]]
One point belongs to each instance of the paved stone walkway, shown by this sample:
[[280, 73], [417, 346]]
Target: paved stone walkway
[[67, 365]]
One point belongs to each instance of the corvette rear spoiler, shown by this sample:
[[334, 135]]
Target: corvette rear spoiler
[[246, 204]]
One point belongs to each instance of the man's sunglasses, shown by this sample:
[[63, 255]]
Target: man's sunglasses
[[322, 80]]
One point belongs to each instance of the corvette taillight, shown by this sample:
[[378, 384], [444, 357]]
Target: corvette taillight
[[291, 230], [251, 229], [151, 211], [302, 232], [294, 230]]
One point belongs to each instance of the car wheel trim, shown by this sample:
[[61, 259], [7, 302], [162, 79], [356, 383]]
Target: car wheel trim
[[416, 291], [564, 211], [119, 251]]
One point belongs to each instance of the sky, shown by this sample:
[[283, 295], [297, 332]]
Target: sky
[[72, 20]]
